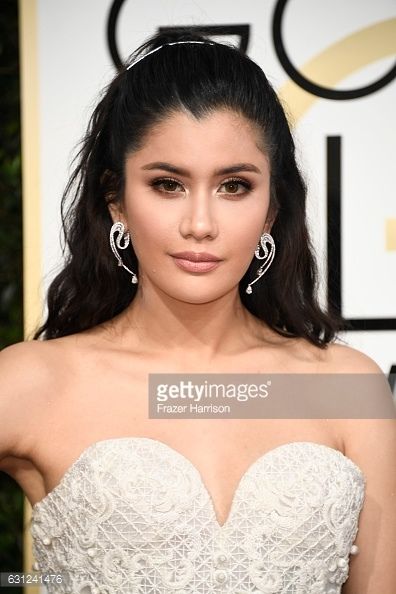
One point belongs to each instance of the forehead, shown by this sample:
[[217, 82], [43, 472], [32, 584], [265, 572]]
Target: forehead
[[222, 136]]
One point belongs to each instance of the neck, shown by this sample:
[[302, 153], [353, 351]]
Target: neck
[[158, 323]]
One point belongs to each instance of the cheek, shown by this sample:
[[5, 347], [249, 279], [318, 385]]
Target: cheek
[[244, 230], [143, 222], [152, 237]]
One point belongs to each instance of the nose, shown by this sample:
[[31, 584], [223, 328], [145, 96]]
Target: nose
[[198, 219]]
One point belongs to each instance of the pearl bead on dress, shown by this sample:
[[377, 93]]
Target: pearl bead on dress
[[220, 576]]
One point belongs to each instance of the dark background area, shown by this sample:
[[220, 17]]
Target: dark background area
[[11, 271]]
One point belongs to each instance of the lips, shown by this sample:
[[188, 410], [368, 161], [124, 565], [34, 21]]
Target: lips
[[196, 256], [191, 266]]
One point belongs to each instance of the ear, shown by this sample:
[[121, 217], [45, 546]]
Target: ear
[[110, 186], [116, 213], [269, 222]]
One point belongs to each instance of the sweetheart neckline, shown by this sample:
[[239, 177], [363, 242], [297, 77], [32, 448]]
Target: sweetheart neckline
[[37, 506]]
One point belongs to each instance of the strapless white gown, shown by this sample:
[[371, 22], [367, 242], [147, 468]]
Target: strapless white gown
[[133, 516]]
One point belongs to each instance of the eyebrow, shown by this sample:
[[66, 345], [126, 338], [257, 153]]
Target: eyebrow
[[180, 171]]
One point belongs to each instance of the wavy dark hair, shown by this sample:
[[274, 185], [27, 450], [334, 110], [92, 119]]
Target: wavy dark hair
[[199, 78]]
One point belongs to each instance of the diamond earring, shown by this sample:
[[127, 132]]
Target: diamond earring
[[268, 257], [119, 228]]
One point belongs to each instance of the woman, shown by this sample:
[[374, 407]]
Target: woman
[[189, 150]]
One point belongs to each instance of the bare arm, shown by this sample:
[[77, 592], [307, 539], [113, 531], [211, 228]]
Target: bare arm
[[22, 373], [371, 444]]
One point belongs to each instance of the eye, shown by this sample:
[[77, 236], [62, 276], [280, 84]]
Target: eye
[[168, 183], [234, 183]]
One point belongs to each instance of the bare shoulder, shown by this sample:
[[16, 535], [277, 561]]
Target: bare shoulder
[[35, 376], [342, 358], [359, 431], [361, 434], [333, 358], [369, 442], [25, 376]]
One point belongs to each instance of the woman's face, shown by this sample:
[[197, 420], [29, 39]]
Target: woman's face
[[178, 197]]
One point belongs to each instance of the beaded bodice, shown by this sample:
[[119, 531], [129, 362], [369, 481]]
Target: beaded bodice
[[133, 515]]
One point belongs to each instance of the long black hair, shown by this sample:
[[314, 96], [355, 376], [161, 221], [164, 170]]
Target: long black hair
[[199, 78]]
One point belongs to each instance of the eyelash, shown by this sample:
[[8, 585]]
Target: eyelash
[[247, 185]]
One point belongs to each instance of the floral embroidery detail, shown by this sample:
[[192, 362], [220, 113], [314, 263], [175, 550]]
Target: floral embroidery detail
[[133, 515]]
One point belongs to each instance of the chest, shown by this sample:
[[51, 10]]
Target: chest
[[292, 521]]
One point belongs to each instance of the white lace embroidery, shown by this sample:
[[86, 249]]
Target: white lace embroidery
[[132, 515]]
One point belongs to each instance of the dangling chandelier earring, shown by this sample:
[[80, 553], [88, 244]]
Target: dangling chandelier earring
[[268, 257], [119, 228]]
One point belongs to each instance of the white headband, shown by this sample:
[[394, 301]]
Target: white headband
[[163, 45]]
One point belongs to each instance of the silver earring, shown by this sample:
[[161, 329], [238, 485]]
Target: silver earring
[[119, 228], [268, 257]]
